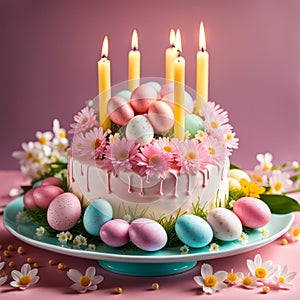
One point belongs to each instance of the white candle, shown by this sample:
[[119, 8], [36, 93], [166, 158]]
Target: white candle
[[134, 58]]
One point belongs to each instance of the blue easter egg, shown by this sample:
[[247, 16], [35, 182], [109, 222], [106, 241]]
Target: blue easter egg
[[124, 94], [155, 84], [96, 214], [193, 123], [193, 231]]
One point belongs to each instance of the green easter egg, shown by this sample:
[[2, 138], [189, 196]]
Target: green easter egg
[[193, 123]]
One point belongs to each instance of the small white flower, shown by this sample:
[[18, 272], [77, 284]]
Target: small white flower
[[244, 238], [294, 233], [231, 203], [209, 281], [234, 278], [265, 161], [40, 231], [283, 278], [44, 138], [25, 278], [14, 192], [86, 282], [184, 249], [265, 232], [2, 278], [21, 217], [249, 281], [187, 135], [62, 237], [69, 235], [92, 247], [260, 270], [214, 247], [200, 135], [296, 166], [279, 181]]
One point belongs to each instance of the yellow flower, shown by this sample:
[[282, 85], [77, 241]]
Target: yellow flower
[[251, 189]]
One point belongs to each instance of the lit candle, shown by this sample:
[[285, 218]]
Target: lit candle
[[202, 70], [179, 81], [134, 58], [104, 85], [171, 55]]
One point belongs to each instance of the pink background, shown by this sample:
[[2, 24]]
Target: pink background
[[49, 51]]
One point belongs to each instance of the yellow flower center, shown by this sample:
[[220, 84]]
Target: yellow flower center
[[29, 155], [168, 148], [37, 160], [210, 281], [212, 151], [24, 280], [247, 280], [85, 280], [229, 136], [191, 156], [62, 134], [154, 160], [43, 140], [296, 232], [281, 279], [214, 125], [97, 143], [261, 273], [232, 277], [84, 120], [122, 155], [266, 167], [278, 186]]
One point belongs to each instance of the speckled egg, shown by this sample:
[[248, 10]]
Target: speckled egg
[[193, 123], [28, 200], [115, 233], [43, 195], [52, 181], [124, 94], [193, 231], [142, 97], [140, 130], [119, 110], [161, 116], [225, 224], [252, 212], [64, 212], [147, 234], [96, 214], [188, 102]]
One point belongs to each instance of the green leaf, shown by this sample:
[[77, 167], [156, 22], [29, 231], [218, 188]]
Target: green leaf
[[280, 204], [232, 166]]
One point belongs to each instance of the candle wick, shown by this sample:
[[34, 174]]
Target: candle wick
[[172, 46], [134, 48], [103, 56], [202, 49], [178, 53]]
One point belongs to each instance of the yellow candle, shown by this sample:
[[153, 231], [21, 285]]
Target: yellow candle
[[134, 58], [104, 85], [171, 54], [202, 70], [179, 81]]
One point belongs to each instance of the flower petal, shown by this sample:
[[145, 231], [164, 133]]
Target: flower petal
[[92, 287], [198, 280], [290, 276], [16, 275], [14, 284], [25, 269], [220, 286], [32, 273], [90, 272], [3, 279], [251, 266], [257, 261], [74, 275], [97, 279], [35, 279], [208, 290], [221, 275], [206, 270]]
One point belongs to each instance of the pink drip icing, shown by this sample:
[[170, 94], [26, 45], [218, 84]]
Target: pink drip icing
[[161, 187], [176, 183], [222, 174], [207, 174], [72, 170], [204, 179], [142, 187], [129, 184], [188, 191], [108, 173], [81, 170], [87, 179]]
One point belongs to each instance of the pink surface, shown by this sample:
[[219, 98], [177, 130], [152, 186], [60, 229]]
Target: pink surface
[[49, 50], [55, 283]]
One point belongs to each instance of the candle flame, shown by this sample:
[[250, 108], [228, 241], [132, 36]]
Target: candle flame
[[104, 52], [134, 40], [178, 41], [202, 41], [172, 37]]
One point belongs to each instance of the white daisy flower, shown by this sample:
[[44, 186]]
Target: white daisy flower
[[279, 181], [283, 278], [209, 281], [244, 238], [22, 217], [83, 283], [69, 235], [214, 247], [62, 237], [249, 281], [260, 270], [184, 249], [44, 138], [265, 232], [234, 278], [294, 233], [40, 231], [92, 247], [25, 278], [4, 277], [265, 161]]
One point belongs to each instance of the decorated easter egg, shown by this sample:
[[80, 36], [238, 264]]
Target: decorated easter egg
[[188, 102], [140, 130], [96, 214], [28, 200], [52, 181], [193, 231], [64, 212], [115, 233], [225, 224], [239, 174], [147, 234], [119, 110], [43, 195], [124, 94], [193, 123], [156, 85], [142, 97], [166, 89], [252, 212], [161, 116]]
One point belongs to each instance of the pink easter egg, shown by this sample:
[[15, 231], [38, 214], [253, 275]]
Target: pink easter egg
[[142, 97], [147, 234], [161, 116], [52, 181], [188, 102], [119, 110], [166, 89], [43, 195], [28, 200], [64, 212], [252, 212], [115, 233]]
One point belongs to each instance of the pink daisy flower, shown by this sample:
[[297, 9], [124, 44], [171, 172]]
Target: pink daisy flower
[[170, 148], [84, 120], [154, 162], [193, 156], [120, 155], [216, 149], [92, 144], [230, 140]]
